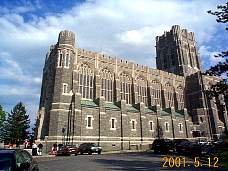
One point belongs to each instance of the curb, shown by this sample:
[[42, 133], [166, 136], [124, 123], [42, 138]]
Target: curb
[[105, 152], [123, 151]]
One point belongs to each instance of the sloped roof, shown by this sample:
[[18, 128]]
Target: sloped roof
[[166, 112], [88, 103], [148, 110], [179, 113], [132, 109], [111, 106]]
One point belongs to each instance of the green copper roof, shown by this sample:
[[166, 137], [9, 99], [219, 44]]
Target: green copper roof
[[148, 110], [130, 108], [179, 113], [111, 106], [165, 113], [88, 103]]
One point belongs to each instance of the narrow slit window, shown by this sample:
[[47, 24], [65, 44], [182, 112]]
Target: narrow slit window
[[166, 126]]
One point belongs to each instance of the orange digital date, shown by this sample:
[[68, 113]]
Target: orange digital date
[[185, 162]]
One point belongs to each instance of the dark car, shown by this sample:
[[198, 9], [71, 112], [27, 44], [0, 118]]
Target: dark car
[[221, 144], [162, 145], [89, 148], [17, 160], [189, 148], [67, 150], [178, 141]]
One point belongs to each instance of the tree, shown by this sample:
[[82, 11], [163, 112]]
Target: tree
[[2, 116], [33, 135], [16, 125], [2, 120], [221, 69]]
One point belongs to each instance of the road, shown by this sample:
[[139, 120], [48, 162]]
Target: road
[[142, 161]]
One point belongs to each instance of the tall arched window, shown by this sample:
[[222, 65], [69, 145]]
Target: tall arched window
[[180, 97], [85, 80], [169, 95], [60, 58], [156, 92], [142, 90], [125, 88], [106, 84]]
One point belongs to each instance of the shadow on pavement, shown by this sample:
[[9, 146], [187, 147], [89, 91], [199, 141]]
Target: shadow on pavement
[[134, 161], [116, 164], [139, 161]]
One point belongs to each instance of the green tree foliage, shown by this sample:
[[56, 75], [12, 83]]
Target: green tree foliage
[[33, 135], [221, 69], [16, 126], [2, 116], [2, 120]]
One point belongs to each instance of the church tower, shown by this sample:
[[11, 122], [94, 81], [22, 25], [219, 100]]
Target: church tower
[[177, 52]]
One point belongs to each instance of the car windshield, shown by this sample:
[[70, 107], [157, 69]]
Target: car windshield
[[5, 164], [94, 145]]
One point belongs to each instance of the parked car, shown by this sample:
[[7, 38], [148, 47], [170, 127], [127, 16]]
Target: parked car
[[220, 144], [178, 141], [189, 148], [162, 145], [17, 160], [203, 141], [67, 150], [89, 148]]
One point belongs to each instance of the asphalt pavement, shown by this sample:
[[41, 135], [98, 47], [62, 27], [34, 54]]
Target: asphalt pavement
[[142, 161]]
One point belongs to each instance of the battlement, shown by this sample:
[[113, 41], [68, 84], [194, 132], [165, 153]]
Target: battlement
[[66, 37], [176, 29], [122, 63]]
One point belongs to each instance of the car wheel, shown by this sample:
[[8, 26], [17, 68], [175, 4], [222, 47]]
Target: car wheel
[[35, 169], [99, 152], [76, 154], [81, 153], [90, 152]]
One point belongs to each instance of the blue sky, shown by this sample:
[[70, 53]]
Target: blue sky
[[125, 29]]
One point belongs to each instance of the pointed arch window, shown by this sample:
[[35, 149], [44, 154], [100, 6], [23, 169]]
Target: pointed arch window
[[60, 58], [156, 92], [180, 97], [85, 79], [169, 99], [142, 90], [107, 80], [125, 88], [169, 95], [67, 60]]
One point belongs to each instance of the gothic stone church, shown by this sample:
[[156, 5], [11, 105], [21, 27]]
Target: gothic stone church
[[117, 104]]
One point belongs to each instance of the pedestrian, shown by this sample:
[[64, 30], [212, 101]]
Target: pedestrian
[[54, 148], [26, 143], [40, 149], [34, 149]]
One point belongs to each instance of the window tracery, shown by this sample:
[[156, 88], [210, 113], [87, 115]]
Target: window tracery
[[85, 79], [125, 88], [107, 84]]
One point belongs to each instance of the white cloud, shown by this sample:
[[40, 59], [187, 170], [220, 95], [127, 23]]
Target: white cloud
[[208, 56], [11, 70], [142, 36], [18, 90], [120, 28]]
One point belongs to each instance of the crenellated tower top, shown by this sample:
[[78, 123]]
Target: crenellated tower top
[[66, 37]]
